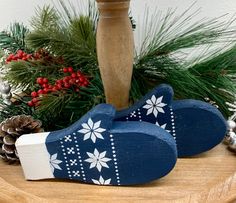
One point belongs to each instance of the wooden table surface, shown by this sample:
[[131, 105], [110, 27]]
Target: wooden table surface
[[210, 177]]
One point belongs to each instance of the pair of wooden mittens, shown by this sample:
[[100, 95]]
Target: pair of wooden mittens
[[133, 146]]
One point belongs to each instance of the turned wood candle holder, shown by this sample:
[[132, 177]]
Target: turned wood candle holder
[[115, 50]]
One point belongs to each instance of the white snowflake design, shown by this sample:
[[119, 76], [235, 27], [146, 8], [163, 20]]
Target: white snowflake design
[[162, 126], [101, 181], [97, 160], [133, 114], [92, 130], [54, 163], [154, 105]]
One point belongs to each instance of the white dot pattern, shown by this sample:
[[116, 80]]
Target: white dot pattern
[[115, 159], [173, 123], [62, 146]]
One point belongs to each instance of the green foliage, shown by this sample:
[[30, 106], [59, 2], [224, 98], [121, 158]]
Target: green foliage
[[18, 108], [23, 74], [66, 108], [14, 39], [163, 57], [72, 37]]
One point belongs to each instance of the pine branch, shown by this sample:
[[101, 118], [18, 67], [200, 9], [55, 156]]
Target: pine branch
[[169, 34], [68, 107], [23, 74], [45, 18], [18, 107], [76, 34], [14, 39]]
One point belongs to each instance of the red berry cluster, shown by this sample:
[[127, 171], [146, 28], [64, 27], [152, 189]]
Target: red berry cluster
[[20, 55], [74, 80], [41, 54]]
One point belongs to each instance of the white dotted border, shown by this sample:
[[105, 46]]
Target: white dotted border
[[115, 159], [139, 115], [173, 123], [65, 157], [79, 157]]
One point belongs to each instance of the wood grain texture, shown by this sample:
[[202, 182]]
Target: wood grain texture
[[115, 50], [210, 177]]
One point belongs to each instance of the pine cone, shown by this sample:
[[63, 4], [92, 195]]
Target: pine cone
[[11, 129]]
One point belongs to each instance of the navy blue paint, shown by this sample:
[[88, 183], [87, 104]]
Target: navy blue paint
[[197, 126], [139, 152]]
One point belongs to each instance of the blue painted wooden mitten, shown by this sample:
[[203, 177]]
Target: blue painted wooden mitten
[[196, 126], [97, 150]]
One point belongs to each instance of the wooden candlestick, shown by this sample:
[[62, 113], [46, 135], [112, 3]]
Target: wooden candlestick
[[115, 48]]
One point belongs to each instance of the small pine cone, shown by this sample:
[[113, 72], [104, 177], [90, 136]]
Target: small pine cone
[[11, 129]]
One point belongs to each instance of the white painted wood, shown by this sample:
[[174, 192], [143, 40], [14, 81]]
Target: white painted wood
[[34, 156]]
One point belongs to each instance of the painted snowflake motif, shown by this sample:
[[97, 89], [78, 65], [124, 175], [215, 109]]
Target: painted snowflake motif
[[97, 160], [162, 126], [154, 105], [101, 181], [92, 130], [54, 163], [133, 114]]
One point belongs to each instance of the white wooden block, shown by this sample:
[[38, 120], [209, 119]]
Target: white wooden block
[[34, 156]]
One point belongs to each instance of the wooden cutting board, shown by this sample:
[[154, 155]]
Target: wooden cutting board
[[210, 177]]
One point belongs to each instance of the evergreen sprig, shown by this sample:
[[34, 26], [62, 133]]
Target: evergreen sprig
[[73, 38], [18, 107], [67, 107], [14, 38], [207, 76], [23, 74]]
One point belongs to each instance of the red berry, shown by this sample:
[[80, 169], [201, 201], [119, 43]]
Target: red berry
[[40, 91], [65, 70], [20, 53], [58, 86], [30, 103], [46, 90], [34, 94], [44, 85], [24, 59], [70, 69], [55, 89], [29, 56], [72, 81], [59, 82], [50, 86], [77, 89], [40, 80], [66, 79], [35, 100], [82, 79], [15, 58], [10, 57], [45, 80], [74, 75], [67, 85]]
